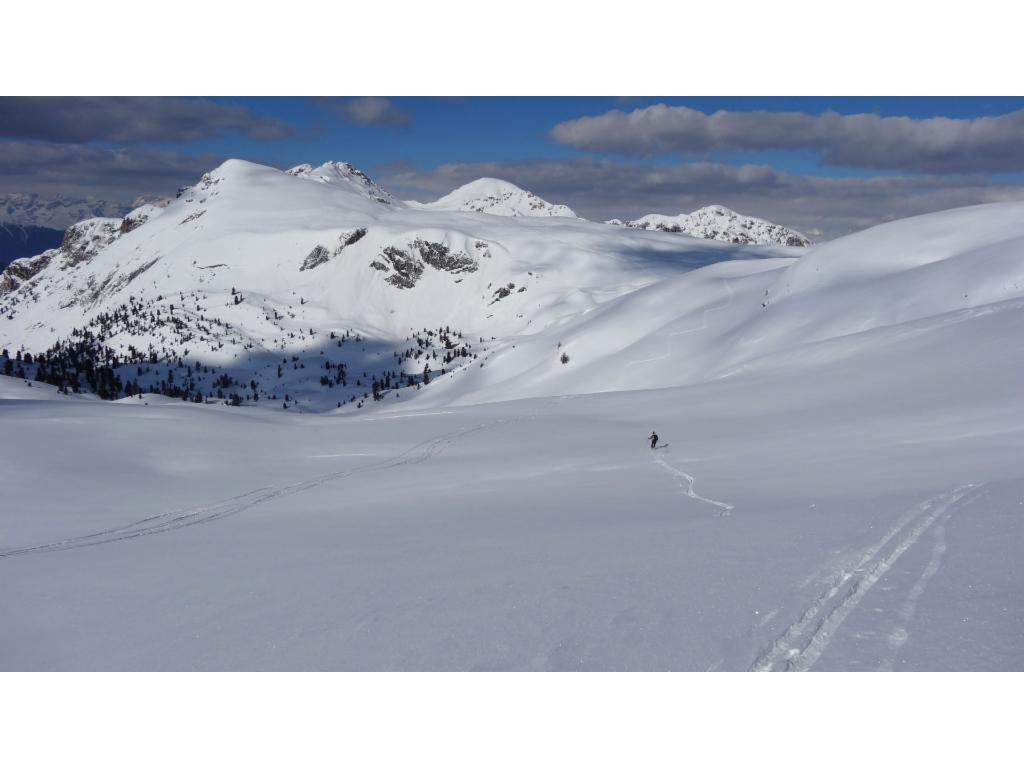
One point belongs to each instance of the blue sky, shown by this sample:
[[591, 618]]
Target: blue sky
[[825, 165], [479, 129]]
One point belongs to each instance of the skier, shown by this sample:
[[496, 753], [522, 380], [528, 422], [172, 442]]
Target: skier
[[654, 439]]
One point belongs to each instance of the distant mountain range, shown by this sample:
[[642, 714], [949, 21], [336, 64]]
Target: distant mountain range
[[253, 266], [497, 197], [716, 222], [487, 195], [315, 289], [31, 209], [18, 241]]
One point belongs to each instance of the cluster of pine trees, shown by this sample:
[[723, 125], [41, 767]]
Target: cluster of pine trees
[[72, 366], [86, 361]]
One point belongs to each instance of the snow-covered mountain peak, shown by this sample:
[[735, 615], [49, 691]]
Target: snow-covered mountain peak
[[338, 172], [716, 222], [233, 168], [253, 262], [715, 210], [233, 173], [499, 198]]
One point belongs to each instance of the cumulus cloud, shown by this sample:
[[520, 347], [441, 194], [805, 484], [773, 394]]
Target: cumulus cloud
[[927, 145], [129, 120], [367, 110], [824, 207]]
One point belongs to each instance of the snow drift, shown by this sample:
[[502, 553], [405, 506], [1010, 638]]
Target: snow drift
[[838, 485]]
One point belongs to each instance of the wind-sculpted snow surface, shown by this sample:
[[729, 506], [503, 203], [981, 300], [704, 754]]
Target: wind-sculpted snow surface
[[177, 519], [711, 323], [538, 534], [253, 269], [841, 489]]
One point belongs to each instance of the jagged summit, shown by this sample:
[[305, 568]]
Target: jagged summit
[[253, 264], [499, 198], [330, 235], [337, 172], [257, 274], [716, 222]]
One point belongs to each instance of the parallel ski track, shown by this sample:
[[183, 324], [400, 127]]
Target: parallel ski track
[[803, 642], [176, 520]]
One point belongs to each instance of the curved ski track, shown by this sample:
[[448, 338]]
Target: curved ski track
[[689, 480], [171, 521], [703, 326]]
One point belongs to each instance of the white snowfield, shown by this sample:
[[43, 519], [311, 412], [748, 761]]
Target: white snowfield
[[839, 485], [497, 197], [716, 222], [314, 243]]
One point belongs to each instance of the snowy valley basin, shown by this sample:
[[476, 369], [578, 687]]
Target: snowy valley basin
[[837, 486]]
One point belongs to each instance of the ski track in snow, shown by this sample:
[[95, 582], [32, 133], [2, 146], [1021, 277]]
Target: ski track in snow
[[408, 415], [335, 455], [703, 326], [689, 480], [171, 521], [899, 635], [803, 642]]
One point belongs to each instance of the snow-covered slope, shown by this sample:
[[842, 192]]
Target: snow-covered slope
[[344, 175], [497, 197], [284, 280], [81, 243], [849, 504], [709, 323], [838, 485], [715, 222], [253, 266]]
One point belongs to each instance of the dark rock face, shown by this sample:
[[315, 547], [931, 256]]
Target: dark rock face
[[345, 239], [22, 270], [82, 242], [375, 192], [319, 255], [440, 256], [409, 265], [128, 223], [408, 268], [502, 293], [354, 237]]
